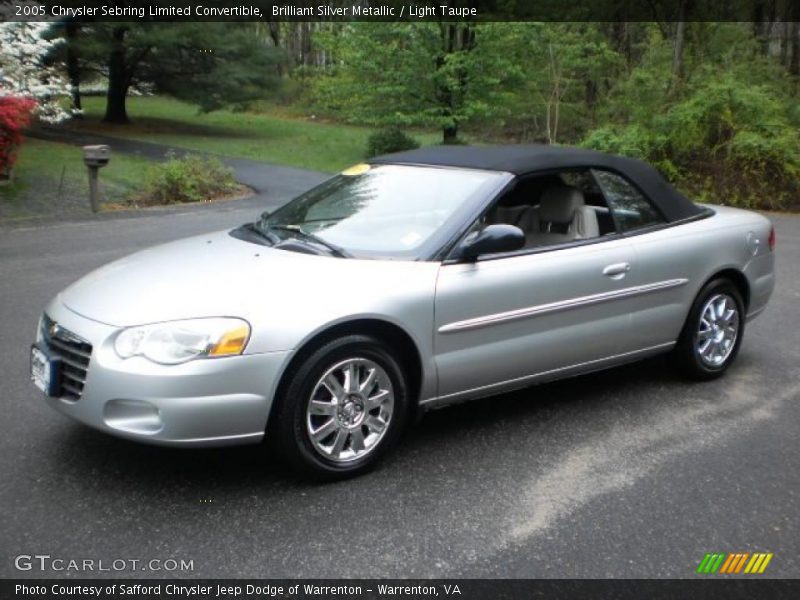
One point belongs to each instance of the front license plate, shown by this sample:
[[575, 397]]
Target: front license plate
[[41, 370]]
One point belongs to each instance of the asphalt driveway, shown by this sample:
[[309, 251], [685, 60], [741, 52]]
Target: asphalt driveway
[[272, 183], [626, 473]]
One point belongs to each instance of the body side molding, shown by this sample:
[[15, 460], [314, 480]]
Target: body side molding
[[552, 307]]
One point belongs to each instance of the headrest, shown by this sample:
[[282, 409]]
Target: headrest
[[559, 203]]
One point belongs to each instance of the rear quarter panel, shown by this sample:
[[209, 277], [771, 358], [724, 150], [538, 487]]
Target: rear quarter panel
[[730, 239]]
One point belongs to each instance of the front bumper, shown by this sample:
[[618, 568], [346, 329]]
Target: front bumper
[[207, 402]]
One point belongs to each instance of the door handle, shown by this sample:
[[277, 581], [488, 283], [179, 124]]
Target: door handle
[[617, 270]]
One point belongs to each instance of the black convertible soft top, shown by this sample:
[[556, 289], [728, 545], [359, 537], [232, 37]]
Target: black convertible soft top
[[526, 159]]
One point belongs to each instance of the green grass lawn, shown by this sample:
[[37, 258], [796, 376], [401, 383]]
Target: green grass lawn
[[39, 187], [267, 137], [49, 159]]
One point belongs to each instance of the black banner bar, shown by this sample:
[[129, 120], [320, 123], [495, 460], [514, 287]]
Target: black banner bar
[[397, 10], [369, 589]]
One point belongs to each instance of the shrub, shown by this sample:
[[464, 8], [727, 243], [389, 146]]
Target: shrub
[[636, 142], [388, 140], [189, 179], [723, 142], [15, 116]]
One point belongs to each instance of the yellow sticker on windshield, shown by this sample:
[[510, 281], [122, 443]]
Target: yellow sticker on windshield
[[356, 169]]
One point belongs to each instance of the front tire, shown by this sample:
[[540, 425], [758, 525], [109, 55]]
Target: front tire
[[713, 332], [343, 408]]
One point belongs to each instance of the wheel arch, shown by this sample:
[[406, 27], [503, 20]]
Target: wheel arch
[[738, 279], [732, 274], [395, 336], [684, 354]]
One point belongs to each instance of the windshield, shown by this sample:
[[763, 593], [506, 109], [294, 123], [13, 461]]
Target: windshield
[[382, 210]]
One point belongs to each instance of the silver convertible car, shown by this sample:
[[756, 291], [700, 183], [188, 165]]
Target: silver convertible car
[[420, 279]]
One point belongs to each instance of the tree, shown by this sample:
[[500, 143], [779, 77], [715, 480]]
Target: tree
[[64, 52], [562, 73], [72, 61], [729, 132], [24, 73], [427, 73], [208, 64]]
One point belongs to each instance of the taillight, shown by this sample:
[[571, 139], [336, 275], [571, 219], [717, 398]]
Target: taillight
[[771, 238]]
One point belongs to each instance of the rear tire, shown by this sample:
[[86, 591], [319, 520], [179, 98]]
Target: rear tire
[[712, 334], [342, 409]]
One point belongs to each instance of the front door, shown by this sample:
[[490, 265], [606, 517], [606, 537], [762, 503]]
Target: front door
[[499, 322]]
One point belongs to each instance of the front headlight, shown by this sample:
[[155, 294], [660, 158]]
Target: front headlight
[[179, 341]]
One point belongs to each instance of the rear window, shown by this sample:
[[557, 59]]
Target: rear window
[[631, 210]]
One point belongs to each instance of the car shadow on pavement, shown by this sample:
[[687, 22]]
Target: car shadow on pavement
[[155, 469]]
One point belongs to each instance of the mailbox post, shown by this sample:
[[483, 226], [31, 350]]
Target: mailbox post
[[95, 158]]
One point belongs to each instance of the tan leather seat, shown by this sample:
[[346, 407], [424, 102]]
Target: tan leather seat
[[562, 216]]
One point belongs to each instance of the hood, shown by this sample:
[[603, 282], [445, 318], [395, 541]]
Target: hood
[[204, 276], [285, 296]]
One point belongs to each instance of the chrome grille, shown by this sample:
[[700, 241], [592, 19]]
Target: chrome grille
[[74, 354]]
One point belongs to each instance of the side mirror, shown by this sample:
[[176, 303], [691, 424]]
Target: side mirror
[[490, 240]]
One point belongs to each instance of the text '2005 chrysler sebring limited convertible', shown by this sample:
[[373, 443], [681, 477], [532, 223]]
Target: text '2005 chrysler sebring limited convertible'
[[420, 279]]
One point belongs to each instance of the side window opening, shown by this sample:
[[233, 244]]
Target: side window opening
[[554, 208], [631, 210]]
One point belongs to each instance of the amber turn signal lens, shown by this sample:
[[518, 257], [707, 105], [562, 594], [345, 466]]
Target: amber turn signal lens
[[231, 343]]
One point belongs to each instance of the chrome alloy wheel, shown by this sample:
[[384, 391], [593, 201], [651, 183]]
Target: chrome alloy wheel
[[717, 330], [349, 410]]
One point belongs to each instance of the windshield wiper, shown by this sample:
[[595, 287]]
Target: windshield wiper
[[253, 228], [335, 250]]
